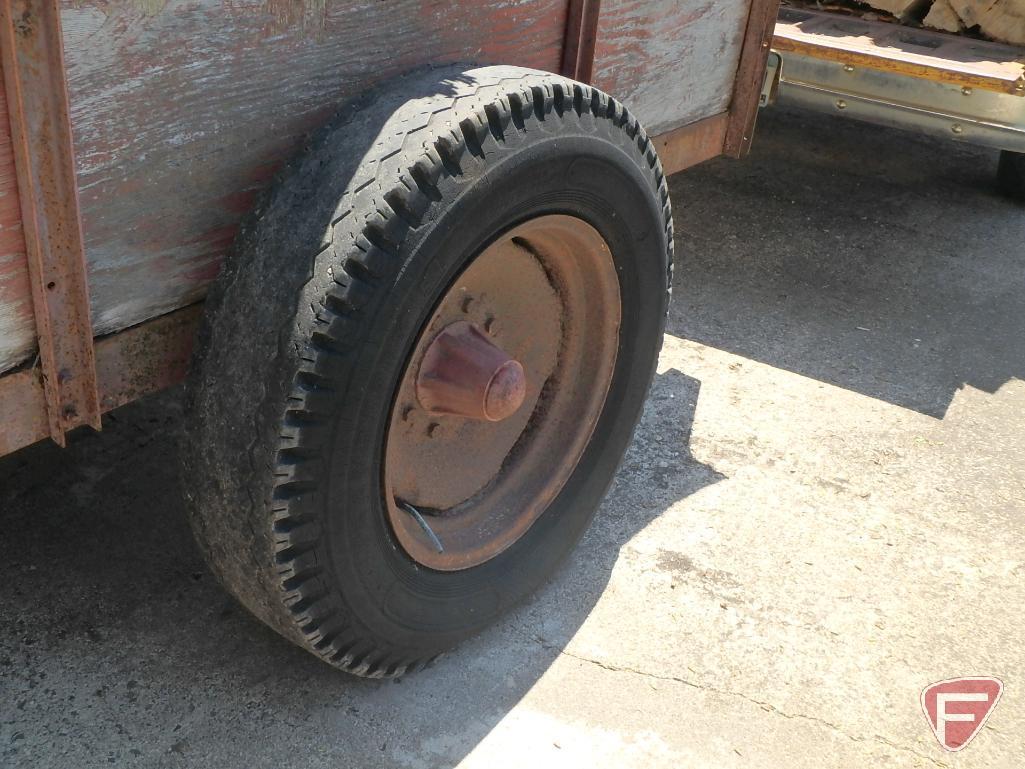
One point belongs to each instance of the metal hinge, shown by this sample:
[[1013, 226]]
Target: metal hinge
[[773, 74]]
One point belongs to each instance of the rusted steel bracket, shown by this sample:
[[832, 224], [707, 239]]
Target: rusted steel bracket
[[581, 33], [129, 364], [761, 22], [32, 48], [693, 143]]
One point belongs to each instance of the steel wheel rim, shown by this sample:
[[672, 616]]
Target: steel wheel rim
[[459, 490]]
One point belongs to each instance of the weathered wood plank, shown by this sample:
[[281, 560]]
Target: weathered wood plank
[[17, 323], [673, 60], [183, 110]]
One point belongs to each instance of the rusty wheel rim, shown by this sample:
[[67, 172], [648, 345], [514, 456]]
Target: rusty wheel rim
[[502, 393]]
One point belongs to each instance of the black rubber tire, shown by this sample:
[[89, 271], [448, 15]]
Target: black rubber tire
[[1011, 175], [309, 327]]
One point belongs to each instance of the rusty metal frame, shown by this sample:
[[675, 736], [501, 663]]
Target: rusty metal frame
[[693, 143], [581, 34], [129, 364], [32, 50], [754, 53]]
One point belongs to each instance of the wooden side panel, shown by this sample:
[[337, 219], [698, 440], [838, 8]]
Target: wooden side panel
[[182, 110], [17, 322], [672, 61]]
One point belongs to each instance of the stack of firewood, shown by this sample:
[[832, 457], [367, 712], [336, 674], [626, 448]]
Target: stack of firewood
[[1002, 20]]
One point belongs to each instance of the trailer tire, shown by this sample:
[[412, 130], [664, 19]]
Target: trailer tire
[[1011, 175], [309, 330]]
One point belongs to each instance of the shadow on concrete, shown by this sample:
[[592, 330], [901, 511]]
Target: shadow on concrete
[[906, 281], [117, 645]]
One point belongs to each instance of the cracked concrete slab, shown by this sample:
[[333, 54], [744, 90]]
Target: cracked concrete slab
[[821, 513]]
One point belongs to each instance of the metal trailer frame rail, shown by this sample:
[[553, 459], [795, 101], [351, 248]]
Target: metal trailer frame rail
[[931, 82]]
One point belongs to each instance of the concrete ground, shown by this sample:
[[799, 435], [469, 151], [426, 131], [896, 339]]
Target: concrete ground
[[822, 512]]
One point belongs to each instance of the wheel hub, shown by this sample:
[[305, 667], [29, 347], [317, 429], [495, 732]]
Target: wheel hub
[[502, 392], [464, 374]]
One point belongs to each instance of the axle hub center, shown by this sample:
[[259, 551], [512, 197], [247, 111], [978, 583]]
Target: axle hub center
[[464, 373]]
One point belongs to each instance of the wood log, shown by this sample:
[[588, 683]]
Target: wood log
[[942, 16], [1002, 20], [968, 10], [902, 9]]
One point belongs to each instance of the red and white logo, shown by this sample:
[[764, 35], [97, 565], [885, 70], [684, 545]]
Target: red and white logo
[[959, 707]]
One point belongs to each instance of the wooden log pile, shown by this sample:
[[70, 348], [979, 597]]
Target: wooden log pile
[[1002, 20]]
